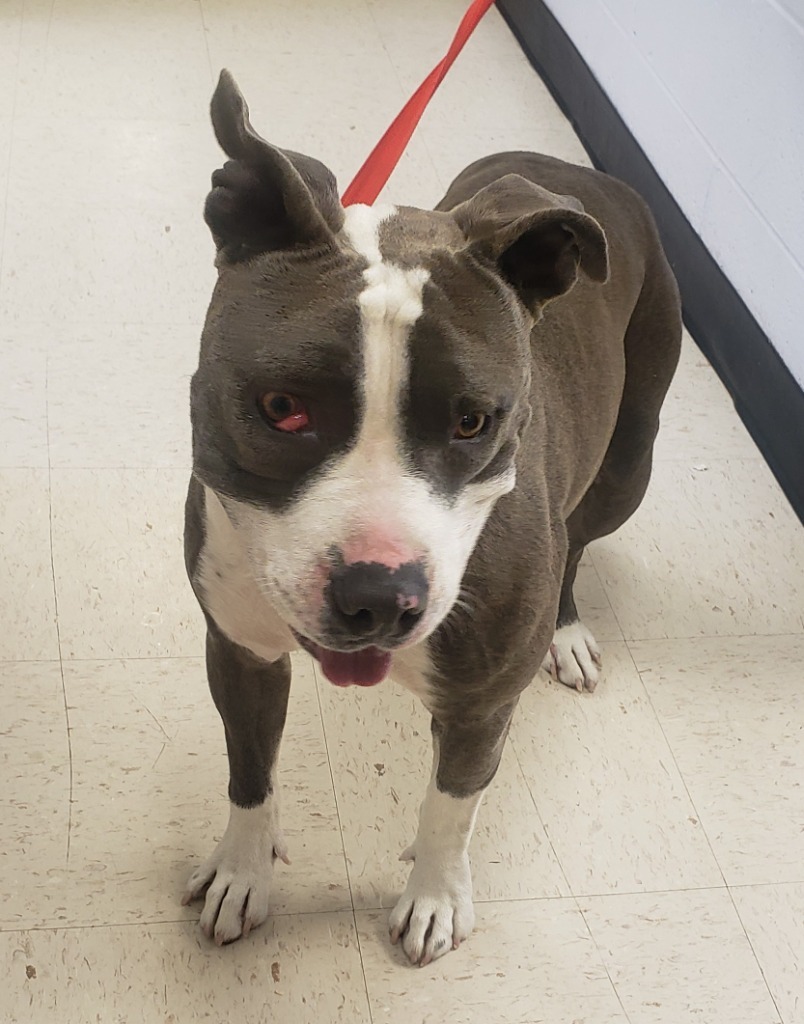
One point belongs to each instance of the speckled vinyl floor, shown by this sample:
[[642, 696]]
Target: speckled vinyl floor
[[640, 857]]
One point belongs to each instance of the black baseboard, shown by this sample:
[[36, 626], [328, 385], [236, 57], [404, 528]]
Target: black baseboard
[[766, 395]]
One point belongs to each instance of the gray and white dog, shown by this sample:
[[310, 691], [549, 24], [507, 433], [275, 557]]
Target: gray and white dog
[[407, 425]]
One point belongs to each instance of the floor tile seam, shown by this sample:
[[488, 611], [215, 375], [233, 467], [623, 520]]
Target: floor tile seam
[[7, 325], [575, 896], [205, 33], [602, 959], [545, 831], [166, 121], [94, 661], [157, 207], [784, 634], [60, 467], [661, 891], [569, 897], [727, 888], [343, 842], [605, 590], [764, 885], [781, 1018], [159, 922], [58, 623], [139, 46], [29, 661], [354, 912], [624, 894], [681, 775], [75, 122]]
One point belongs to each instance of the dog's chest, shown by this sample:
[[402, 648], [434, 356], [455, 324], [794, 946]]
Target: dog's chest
[[230, 593], [412, 668]]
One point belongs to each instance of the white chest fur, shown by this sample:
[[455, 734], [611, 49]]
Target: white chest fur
[[411, 668], [230, 593]]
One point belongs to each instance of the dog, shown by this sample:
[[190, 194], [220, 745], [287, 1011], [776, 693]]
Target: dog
[[407, 426]]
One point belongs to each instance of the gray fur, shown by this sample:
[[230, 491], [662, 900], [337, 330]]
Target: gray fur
[[549, 299]]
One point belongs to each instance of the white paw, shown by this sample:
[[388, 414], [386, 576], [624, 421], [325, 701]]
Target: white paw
[[574, 658], [237, 877], [435, 913]]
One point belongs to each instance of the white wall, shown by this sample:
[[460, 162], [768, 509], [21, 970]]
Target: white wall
[[713, 90]]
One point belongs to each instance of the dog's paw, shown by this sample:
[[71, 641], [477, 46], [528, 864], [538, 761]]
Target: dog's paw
[[237, 878], [574, 658], [435, 912]]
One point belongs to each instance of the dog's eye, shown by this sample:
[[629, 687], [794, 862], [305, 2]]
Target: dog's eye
[[471, 425], [284, 412]]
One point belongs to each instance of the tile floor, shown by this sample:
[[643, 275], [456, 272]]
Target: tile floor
[[640, 857]]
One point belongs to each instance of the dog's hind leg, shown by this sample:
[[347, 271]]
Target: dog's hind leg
[[574, 657], [251, 696], [652, 348]]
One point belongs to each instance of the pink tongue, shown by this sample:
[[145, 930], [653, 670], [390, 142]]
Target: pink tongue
[[360, 668]]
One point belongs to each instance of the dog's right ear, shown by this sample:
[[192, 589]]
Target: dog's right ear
[[264, 198]]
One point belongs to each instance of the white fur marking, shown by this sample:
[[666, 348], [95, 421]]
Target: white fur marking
[[231, 594], [239, 873], [411, 668], [361, 229], [435, 912], [390, 304], [574, 658]]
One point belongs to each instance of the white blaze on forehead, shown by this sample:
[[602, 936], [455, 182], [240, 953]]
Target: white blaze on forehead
[[361, 229], [390, 304]]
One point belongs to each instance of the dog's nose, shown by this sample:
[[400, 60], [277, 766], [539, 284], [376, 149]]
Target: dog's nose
[[371, 601]]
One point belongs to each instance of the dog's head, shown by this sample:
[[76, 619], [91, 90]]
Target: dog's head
[[364, 384]]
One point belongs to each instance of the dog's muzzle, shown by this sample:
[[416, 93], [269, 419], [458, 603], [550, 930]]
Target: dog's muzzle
[[371, 603], [370, 610]]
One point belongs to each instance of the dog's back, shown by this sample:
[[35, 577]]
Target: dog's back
[[602, 360]]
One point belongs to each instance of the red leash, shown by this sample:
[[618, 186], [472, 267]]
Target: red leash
[[375, 172]]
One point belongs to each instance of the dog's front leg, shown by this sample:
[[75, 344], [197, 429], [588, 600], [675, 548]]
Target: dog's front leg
[[435, 913], [252, 697]]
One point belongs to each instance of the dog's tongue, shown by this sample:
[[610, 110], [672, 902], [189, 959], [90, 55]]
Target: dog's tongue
[[359, 668]]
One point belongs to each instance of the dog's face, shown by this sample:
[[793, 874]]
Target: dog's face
[[363, 386]]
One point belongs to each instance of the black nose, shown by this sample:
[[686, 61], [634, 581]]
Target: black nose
[[371, 602]]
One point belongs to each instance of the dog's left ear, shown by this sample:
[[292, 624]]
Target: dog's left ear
[[264, 199], [539, 240]]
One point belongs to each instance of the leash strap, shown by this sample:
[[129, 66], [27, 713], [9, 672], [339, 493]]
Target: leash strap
[[375, 172]]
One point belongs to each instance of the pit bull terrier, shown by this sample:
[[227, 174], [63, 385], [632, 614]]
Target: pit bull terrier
[[407, 425]]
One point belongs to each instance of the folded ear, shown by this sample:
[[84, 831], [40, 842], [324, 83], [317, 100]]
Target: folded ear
[[264, 198], [538, 239]]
